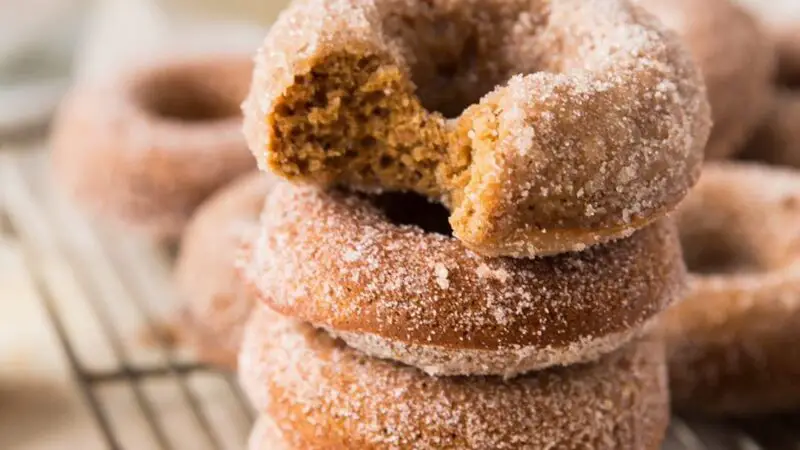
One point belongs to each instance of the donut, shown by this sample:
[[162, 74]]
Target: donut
[[777, 140], [732, 343], [735, 55], [384, 274], [146, 148], [216, 304], [321, 394], [592, 126]]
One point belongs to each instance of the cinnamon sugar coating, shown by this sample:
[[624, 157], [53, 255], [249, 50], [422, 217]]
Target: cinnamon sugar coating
[[737, 59], [322, 394], [733, 340], [148, 147], [574, 122], [216, 303], [356, 266]]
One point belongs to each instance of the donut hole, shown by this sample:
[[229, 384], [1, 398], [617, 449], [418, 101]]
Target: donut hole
[[402, 208], [448, 64], [185, 97], [378, 118], [712, 251], [457, 54]]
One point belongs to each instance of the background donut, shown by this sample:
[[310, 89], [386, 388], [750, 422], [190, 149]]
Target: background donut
[[216, 303], [733, 341], [147, 148], [324, 395], [735, 55], [395, 287]]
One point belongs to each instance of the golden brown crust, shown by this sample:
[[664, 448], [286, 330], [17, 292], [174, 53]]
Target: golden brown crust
[[324, 395], [735, 55], [575, 147], [149, 147], [733, 341], [216, 304], [336, 260]]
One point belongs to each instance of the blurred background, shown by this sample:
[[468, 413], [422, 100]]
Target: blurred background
[[57, 271], [46, 43]]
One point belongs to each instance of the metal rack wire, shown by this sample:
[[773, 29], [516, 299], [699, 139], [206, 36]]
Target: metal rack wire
[[108, 286]]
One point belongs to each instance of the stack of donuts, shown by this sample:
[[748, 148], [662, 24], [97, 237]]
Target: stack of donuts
[[467, 239], [468, 245]]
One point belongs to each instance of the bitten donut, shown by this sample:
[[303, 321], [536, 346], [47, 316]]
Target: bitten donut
[[216, 304], [148, 147], [777, 140], [593, 126], [733, 341], [736, 57], [321, 394], [397, 288]]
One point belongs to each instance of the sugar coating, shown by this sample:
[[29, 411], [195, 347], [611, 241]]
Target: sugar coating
[[335, 260], [735, 54], [215, 302], [148, 147], [575, 122], [733, 339], [323, 395], [507, 362]]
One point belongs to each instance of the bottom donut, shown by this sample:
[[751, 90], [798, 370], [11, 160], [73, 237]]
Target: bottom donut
[[321, 394]]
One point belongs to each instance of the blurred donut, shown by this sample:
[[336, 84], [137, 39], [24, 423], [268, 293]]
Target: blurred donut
[[148, 147], [777, 140], [216, 303], [733, 341]]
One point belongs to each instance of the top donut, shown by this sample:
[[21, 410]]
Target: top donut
[[545, 126]]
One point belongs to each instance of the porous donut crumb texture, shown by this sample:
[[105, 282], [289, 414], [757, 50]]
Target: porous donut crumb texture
[[733, 340], [334, 259], [591, 125], [323, 395]]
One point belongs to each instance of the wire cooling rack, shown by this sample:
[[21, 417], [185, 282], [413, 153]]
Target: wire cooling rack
[[100, 290]]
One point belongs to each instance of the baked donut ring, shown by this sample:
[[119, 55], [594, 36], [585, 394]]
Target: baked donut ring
[[149, 147], [573, 147], [733, 341], [216, 304], [777, 140], [322, 394], [393, 288], [735, 55]]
